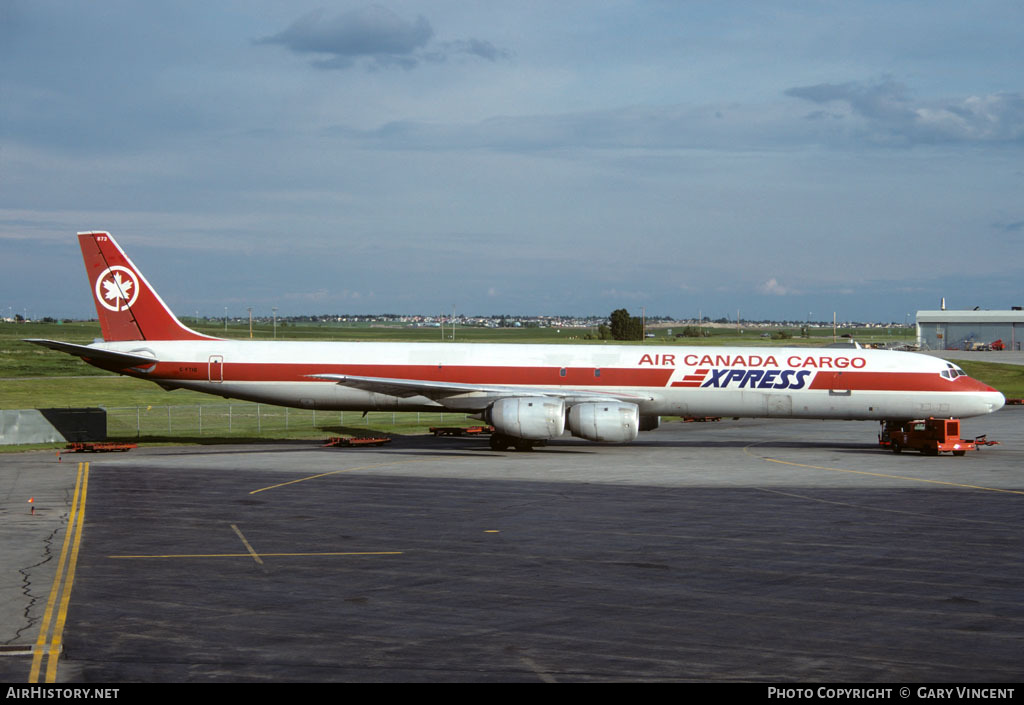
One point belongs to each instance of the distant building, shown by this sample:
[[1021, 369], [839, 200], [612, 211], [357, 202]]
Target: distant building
[[967, 330]]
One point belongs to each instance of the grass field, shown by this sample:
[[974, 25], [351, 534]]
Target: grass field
[[34, 377]]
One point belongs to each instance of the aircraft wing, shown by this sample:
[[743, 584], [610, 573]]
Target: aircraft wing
[[99, 354], [486, 393]]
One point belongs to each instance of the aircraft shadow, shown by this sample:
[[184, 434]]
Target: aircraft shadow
[[438, 446]]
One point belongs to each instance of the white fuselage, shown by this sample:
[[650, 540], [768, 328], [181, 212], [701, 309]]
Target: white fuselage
[[836, 383]]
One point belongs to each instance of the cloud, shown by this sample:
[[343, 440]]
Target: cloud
[[640, 127], [883, 113], [376, 37], [473, 47], [891, 114], [1014, 227], [773, 288], [884, 101]]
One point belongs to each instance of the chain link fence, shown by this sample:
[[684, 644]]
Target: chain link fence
[[250, 419]]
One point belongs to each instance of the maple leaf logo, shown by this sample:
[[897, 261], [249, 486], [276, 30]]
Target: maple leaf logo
[[117, 288]]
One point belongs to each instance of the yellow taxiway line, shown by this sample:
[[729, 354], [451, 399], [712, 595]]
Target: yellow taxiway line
[[262, 555], [343, 470], [48, 644], [747, 450]]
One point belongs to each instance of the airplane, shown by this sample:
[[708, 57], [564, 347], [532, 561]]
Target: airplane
[[529, 393]]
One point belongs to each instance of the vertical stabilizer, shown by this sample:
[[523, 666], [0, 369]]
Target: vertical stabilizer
[[128, 307]]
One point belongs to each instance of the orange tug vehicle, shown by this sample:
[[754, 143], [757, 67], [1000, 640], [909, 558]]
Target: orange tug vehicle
[[929, 436]]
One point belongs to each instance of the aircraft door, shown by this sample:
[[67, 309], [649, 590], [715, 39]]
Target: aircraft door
[[838, 387], [216, 368]]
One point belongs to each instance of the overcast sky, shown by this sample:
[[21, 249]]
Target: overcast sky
[[783, 159]]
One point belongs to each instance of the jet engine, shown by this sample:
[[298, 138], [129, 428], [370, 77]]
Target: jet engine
[[612, 422], [532, 418]]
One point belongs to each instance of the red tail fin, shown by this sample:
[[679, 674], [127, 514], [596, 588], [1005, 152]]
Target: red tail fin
[[128, 307]]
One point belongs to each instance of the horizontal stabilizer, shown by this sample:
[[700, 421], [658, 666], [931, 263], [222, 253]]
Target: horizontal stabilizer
[[99, 354]]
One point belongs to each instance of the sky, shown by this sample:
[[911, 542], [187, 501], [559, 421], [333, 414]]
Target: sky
[[783, 160]]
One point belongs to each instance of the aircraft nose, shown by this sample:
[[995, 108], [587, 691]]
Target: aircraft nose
[[996, 402], [988, 399]]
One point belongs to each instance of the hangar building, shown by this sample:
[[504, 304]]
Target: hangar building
[[967, 330]]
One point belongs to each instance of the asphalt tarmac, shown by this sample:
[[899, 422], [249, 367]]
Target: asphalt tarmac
[[752, 550]]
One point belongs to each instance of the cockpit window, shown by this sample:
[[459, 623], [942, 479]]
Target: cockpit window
[[952, 371]]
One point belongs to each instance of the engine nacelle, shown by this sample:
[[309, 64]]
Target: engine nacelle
[[612, 422], [532, 418]]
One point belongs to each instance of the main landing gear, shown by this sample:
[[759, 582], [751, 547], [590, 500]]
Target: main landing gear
[[501, 442]]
